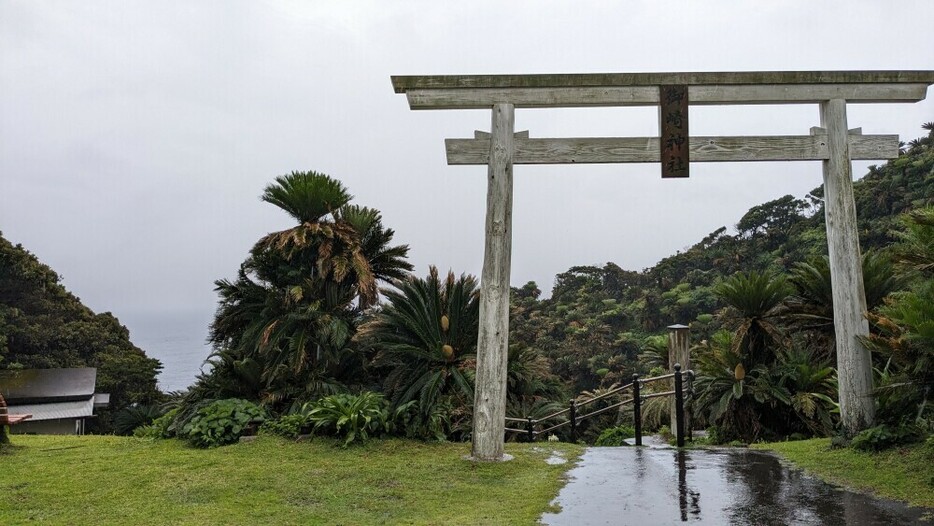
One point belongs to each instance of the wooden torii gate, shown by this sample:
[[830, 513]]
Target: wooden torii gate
[[833, 143]]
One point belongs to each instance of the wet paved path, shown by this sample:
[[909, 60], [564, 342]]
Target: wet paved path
[[654, 486]]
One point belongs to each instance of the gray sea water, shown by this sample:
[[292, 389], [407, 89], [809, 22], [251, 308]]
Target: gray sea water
[[177, 339]]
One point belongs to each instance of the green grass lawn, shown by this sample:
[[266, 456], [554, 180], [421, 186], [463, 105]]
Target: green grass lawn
[[905, 474], [117, 480]]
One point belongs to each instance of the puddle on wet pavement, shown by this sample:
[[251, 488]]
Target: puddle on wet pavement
[[556, 458], [649, 486]]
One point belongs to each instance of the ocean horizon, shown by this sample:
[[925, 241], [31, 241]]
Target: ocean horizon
[[177, 339]]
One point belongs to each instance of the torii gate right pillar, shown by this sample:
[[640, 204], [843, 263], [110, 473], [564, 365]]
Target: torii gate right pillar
[[854, 363]]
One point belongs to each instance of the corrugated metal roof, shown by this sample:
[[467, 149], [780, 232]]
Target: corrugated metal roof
[[30, 386], [56, 410]]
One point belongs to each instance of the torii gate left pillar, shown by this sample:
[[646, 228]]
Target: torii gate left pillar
[[833, 144], [493, 340]]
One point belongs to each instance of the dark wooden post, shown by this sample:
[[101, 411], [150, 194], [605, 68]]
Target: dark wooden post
[[573, 412], [637, 409], [679, 405], [4, 421], [689, 411], [530, 429]]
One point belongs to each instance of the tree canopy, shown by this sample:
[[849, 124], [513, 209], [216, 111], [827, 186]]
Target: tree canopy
[[42, 325]]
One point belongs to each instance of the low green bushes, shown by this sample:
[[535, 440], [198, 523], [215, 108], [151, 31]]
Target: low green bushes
[[162, 427], [349, 417], [886, 436], [128, 419], [352, 417], [221, 422], [615, 436], [286, 426]]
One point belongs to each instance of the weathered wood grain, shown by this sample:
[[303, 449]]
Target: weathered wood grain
[[854, 365], [532, 97], [674, 127], [679, 351], [479, 98], [404, 83], [590, 150], [493, 339], [479, 134]]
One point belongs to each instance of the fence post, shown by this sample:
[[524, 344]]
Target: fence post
[[679, 351], [637, 409], [530, 429], [573, 412], [679, 405]]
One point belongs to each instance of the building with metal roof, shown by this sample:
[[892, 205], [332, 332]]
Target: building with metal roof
[[59, 400]]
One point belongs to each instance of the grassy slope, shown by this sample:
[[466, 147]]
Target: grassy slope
[[116, 480], [905, 474]]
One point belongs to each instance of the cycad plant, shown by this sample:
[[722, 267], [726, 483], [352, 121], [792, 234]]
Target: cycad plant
[[915, 247], [295, 305], [754, 299], [812, 383], [810, 307], [426, 338], [904, 329], [719, 385], [737, 386], [529, 376], [321, 235], [654, 353]]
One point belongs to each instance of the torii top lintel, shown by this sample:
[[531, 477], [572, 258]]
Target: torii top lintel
[[632, 89]]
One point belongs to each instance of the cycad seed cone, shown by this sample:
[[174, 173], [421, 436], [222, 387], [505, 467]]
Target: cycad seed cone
[[445, 323], [739, 372], [448, 352]]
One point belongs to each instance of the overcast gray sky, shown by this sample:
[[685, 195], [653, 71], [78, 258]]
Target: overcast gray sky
[[136, 137]]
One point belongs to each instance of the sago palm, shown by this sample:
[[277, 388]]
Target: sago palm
[[810, 306], [813, 384], [754, 299], [742, 403], [322, 235], [654, 353], [297, 299], [915, 247], [426, 338]]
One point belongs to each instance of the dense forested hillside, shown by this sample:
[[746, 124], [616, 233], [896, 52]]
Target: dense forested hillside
[[599, 319], [42, 325]]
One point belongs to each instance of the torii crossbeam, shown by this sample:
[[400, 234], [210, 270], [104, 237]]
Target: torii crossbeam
[[832, 143]]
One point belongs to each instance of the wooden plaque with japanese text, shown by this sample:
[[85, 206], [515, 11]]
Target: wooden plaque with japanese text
[[673, 117]]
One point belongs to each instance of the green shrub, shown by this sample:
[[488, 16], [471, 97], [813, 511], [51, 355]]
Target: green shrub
[[162, 427], [438, 424], [128, 419], [288, 426], [221, 422], [615, 436], [928, 447], [355, 417], [713, 435], [885, 436]]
